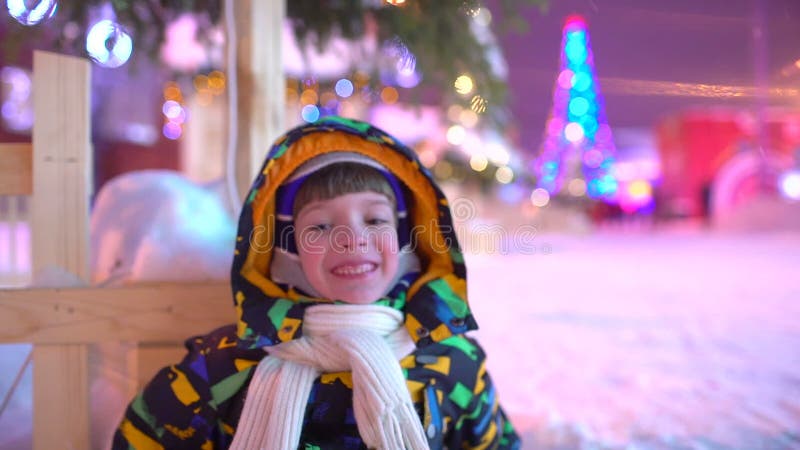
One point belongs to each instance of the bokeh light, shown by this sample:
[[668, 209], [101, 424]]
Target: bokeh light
[[540, 197], [576, 187], [344, 88], [310, 113], [790, 184], [309, 97], [478, 104], [478, 163], [464, 84], [443, 170], [504, 175], [172, 130], [456, 135], [640, 190], [573, 132], [468, 118], [44, 9], [578, 106], [483, 17], [389, 95], [108, 44]]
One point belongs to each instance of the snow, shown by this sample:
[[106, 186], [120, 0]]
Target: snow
[[627, 340], [646, 341]]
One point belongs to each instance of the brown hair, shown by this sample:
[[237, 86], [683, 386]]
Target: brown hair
[[341, 178]]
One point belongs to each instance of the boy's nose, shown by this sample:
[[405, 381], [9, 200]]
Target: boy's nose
[[350, 238]]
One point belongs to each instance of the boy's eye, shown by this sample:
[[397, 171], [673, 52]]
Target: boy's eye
[[319, 227], [376, 221]]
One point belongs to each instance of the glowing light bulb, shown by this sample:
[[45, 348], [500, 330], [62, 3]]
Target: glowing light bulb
[[108, 44], [464, 85], [44, 9]]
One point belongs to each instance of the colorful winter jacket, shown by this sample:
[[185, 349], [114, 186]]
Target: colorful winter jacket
[[196, 404]]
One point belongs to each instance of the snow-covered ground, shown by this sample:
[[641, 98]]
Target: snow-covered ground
[[627, 341], [646, 341]]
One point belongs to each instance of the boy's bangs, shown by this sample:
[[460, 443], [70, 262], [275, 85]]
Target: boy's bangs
[[339, 179]]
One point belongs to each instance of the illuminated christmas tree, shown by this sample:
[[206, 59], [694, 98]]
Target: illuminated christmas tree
[[578, 148]]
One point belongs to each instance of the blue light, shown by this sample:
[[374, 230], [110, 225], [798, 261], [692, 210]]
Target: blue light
[[581, 81], [578, 106], [105, 35], [577, 35], [589, 125], [310, 113], [344, 88], [576, 52]]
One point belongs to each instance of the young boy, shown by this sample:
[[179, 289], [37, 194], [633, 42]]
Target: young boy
[[350, 290]]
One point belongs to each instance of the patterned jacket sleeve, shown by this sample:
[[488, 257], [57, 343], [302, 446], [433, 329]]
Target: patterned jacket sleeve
[[471, 412], [187, 405]]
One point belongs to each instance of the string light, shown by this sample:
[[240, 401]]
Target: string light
[[464, 84], [478, 104], [108, 44]]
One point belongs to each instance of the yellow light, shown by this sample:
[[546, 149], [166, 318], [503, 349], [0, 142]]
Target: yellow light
[[308, 97], [797, 63], [576, 187], [640, 189], [479, 163], [456, 135], [540, 197], [360, 79], [216, 81], [464, 84], [504, 175], [292, 96], [478, 104], [172, 92], [443, 170], [200, 83], [389, 95]]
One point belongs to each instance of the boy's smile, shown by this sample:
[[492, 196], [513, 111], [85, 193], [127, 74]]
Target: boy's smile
[[348, 246]]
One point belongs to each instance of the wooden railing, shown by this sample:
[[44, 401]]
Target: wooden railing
[[63, 323]]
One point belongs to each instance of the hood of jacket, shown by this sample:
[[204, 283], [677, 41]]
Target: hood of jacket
[[269, 312]]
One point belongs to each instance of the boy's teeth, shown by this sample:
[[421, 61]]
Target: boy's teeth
[[354, 270]]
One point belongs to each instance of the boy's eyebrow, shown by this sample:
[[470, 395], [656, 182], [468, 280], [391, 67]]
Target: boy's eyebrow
[[318, 204]]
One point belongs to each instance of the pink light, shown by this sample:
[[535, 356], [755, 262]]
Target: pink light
[[565, 79], [574, 22], [593, 158]]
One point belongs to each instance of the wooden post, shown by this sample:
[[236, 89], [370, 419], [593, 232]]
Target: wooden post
[[261, 83], [59, 218]]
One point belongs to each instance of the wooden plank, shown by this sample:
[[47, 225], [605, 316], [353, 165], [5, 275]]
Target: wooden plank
[[60, 416], [60, 237], [16, 169], [61, 163], [261, 84], [152, 313]]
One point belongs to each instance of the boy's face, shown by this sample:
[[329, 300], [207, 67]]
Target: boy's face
[[348, 246]]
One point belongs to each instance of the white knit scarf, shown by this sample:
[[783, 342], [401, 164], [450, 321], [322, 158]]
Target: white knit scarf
[[368, 340]]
